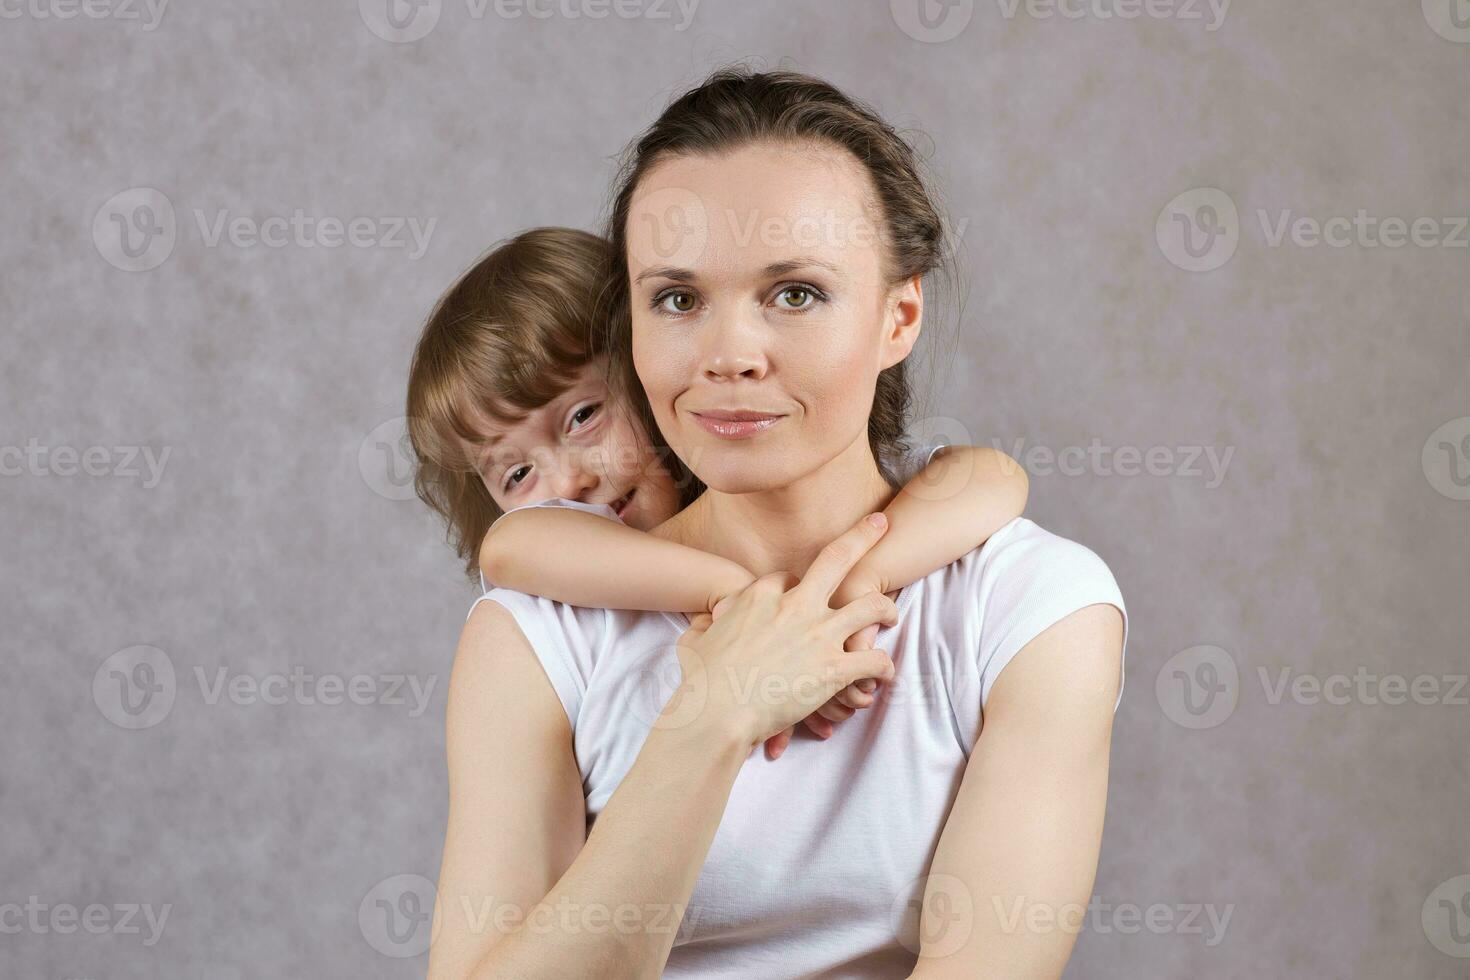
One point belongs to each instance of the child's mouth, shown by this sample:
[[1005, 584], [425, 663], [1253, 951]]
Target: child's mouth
[[621, 504]]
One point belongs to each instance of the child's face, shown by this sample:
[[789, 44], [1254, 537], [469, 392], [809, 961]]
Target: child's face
[[582, 447]]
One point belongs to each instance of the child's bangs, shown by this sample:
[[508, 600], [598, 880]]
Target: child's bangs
[[460, 406]]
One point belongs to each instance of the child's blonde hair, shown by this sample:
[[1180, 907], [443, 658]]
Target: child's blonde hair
[[505, 339]]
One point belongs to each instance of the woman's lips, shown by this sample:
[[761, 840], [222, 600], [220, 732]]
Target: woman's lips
[[736, 425]]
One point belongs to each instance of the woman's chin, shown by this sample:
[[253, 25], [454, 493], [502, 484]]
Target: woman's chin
[[735, 475]]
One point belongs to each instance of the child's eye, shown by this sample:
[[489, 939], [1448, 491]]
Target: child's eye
[[581, 415], [675, 301], [515, 477], [798, 297]]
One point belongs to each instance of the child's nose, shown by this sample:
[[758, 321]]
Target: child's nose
[[576, 481]]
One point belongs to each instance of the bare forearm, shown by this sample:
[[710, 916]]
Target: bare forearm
[[952, 507], [588, 560], [617, 909]]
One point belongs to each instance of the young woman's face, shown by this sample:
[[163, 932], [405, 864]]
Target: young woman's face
[[761, 314], [580, 446]]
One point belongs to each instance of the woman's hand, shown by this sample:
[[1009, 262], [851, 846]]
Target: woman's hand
[[840, 707], [775, 653], [859, 580]]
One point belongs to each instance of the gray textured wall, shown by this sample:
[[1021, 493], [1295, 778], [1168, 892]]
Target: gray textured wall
[[1328, 537]]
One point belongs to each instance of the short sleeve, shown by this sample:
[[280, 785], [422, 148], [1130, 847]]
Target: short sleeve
[[1028, 579], [562, 636], [601, 510], [911, 463]]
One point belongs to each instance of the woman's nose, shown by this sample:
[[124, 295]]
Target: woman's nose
[[734, 347]]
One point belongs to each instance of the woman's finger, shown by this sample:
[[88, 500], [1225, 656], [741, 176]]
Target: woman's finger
[[855, 697], [851, 666], [835, 560], [864, 611]]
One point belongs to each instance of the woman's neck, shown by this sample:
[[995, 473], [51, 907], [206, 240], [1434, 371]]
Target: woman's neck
[[783, 529]]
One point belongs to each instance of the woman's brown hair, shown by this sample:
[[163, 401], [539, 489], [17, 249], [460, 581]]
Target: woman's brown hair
[[734, 107], [507, 338]]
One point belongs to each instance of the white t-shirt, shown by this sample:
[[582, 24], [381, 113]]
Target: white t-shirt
[[817, 867]]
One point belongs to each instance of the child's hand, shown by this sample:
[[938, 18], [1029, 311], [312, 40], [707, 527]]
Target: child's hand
[[862, 579], [732, 581]]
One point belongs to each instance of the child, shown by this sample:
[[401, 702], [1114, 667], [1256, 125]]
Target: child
[[520, 446]]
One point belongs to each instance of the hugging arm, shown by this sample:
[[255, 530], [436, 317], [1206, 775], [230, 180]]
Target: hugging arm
[[949, 508], [586, 560], [952, 506], [1019, 850]]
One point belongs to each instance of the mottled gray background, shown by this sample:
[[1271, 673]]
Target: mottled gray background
[[275, 538]]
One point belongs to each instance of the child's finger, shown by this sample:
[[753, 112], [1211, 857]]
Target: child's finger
[[835, 710], [855, 697], [819, 726], [720, 607], [776, 744], [863, 639]]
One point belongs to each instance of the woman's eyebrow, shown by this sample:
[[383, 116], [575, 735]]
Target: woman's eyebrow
[[788, 266], [665, 272], [781, 268]]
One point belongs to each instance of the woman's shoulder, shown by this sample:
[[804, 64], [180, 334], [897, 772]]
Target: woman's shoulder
[[1025, 547], [1022, 580], [574, 633], [569, 640]]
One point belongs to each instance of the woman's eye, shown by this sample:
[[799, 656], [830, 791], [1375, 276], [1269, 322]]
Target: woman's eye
[[581, 415], [796, 298], [677, 301], [516, 476]]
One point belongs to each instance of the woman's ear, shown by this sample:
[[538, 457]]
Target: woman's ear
[[902, 321]]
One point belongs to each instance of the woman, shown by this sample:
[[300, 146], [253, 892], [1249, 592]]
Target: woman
[[773, 238]]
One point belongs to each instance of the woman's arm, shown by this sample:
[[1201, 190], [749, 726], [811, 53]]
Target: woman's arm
[[1008, 889], [951, 507], [520, 894], [586, 560]]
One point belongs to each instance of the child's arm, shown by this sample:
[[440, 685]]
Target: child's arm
[[950, 508], [573, 556]]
